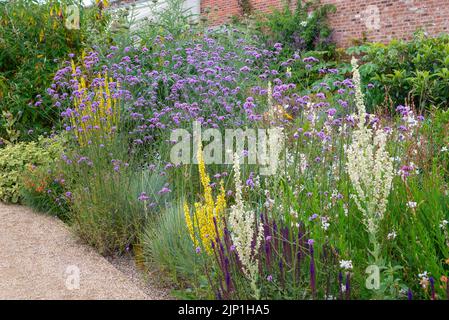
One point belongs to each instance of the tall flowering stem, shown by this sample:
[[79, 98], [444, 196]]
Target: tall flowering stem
[[312, 270], [93, 112], [245, 232], [369, 165], [207, 221]]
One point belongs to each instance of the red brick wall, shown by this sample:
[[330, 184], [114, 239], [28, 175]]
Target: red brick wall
[[378, 20], [220, 11]]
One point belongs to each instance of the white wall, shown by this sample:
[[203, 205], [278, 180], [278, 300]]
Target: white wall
[[142, 8]]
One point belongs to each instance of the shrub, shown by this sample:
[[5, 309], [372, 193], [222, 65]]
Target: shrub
[[407, 72], [44, 189], [16, 159], [304, 28]]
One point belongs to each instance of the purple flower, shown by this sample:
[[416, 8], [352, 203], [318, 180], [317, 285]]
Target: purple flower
[[270, 278], [348, 286], [164, 190], [143, 197], [310, 59], [331, 112], [278, 46], [250, 181], [432, 287], [409, 294], [312, 268]]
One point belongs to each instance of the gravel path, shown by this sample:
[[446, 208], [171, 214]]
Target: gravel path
[[40, 258]]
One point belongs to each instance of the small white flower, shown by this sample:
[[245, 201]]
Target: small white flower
[[411, 204], [444, 149], [392, 235], [423, 279], [303, 23], [345, 209], [297, 225], [422, 275], [346, 264], [325, 223], [443, 224]]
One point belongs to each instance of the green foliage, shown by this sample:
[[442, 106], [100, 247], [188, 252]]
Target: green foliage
[[422, 242], [414, 72], [105, 185], [167, 246], [16, 159], [44, 190], [168, 17], [301, 29], [33, 41]]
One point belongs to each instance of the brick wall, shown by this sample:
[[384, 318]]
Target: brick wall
[[378, 20]]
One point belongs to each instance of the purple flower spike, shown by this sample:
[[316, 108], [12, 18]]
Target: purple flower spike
[[348, 286], [409, 294], [340, 284], [312, 269], [432, 287]]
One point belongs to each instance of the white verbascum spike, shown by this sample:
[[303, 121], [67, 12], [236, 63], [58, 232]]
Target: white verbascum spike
[[369, 165], [244, 230]]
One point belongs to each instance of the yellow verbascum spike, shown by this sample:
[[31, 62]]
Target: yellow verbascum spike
[[88, 120], [203, 225]]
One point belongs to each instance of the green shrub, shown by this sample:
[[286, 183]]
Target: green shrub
[[413, 72], [15, 159], [44, 190], [303, 29]]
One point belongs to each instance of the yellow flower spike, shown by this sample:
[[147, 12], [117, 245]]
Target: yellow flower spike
[[89, 120], [73, 66], [203, 226], [189, 223]]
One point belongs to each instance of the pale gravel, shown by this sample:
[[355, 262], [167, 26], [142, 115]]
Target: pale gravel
[[38, 252]]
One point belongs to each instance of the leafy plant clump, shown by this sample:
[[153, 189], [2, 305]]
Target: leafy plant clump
[[16, 159], [407, 72]]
